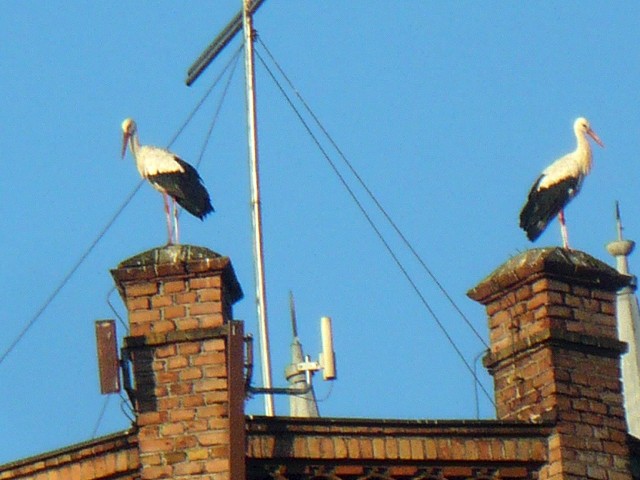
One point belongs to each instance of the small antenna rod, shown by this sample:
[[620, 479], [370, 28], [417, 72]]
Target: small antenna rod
[[618, 220], [292, 310]]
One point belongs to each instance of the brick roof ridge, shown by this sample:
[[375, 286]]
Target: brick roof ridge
[[257, 422], [120, 439]]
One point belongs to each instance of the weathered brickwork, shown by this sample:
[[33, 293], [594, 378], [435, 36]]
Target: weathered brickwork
[[351, 448], [555, 357], [184, 346], [114, 457], [181, 296]]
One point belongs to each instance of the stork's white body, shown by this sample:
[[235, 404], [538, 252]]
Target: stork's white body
[[557, 185], [170, 175], [152, 160]]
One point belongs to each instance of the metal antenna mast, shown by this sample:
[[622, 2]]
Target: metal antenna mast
[[256, 211], [243, 20]]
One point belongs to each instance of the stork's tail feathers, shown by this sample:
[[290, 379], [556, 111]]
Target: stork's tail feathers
[[532, 221], [543, 204], [198, 206]]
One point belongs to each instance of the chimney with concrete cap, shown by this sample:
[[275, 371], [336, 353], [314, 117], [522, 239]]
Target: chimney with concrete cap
[[188, 364], [555, 357]]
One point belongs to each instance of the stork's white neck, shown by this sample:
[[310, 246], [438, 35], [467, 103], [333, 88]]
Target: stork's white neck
[[134, 145], [583, 153]]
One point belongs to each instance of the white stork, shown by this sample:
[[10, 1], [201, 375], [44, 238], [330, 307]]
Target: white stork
[[557, 185], [170, 175]]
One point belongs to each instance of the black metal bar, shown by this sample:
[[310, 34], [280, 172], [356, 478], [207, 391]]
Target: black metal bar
[[126, 375], [282, 390], [221, 41], [248, 362]]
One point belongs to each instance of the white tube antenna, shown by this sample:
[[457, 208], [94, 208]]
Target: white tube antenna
[[327, 357]]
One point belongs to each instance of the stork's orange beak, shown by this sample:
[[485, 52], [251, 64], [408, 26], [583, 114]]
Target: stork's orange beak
[[125, 140], [595, 137]]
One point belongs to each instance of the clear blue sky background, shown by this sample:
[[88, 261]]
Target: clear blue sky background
[[448, 110]]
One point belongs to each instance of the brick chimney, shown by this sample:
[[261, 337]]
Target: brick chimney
[[555, 357], [187, 359]]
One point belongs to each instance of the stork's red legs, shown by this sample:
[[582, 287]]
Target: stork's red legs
[[175, 221], [563, 230], [168, 213]]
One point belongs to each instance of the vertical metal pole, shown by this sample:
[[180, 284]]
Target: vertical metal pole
[[256, 215]]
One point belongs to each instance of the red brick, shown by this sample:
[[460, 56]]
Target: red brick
[[379, 449], [210, 295], [215, 396], [175, 286], [340, 448], [212, 411], [175, 457], [187, 468], [214, 423], [187, 297], [197, 425], [173, 311], [326, 448], [404, 448], [210, 358], [160, 471], [140, 329], [187, 323], [204, 308], [138, 303], [523, 293], [211, 321], [165, 351], [140, 289], [211, 384], [215, 371], [155, 445], [214, 438], [299, 449], [391, 448], [205, 282], [189, 348], [168, 403], [197, 454], [171, 429], [182, 414], [149, 418], [186, 441], [177, 362], [214, 345], [181, 388], [217, 465], [141, 316], [313, 447], [167, 377], [163, 326], [191, 373]]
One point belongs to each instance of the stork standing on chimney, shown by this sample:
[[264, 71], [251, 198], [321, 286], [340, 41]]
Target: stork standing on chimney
[[170, 175], [557, 185]]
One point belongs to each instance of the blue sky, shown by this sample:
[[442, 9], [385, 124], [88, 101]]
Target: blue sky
[[448, 111]]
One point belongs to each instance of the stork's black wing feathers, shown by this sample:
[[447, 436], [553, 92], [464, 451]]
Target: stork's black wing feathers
[[187, 189], [543, 204]]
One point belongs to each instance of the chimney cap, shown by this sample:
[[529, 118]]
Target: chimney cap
[[572, 266], [178, 260], [169, 254]]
